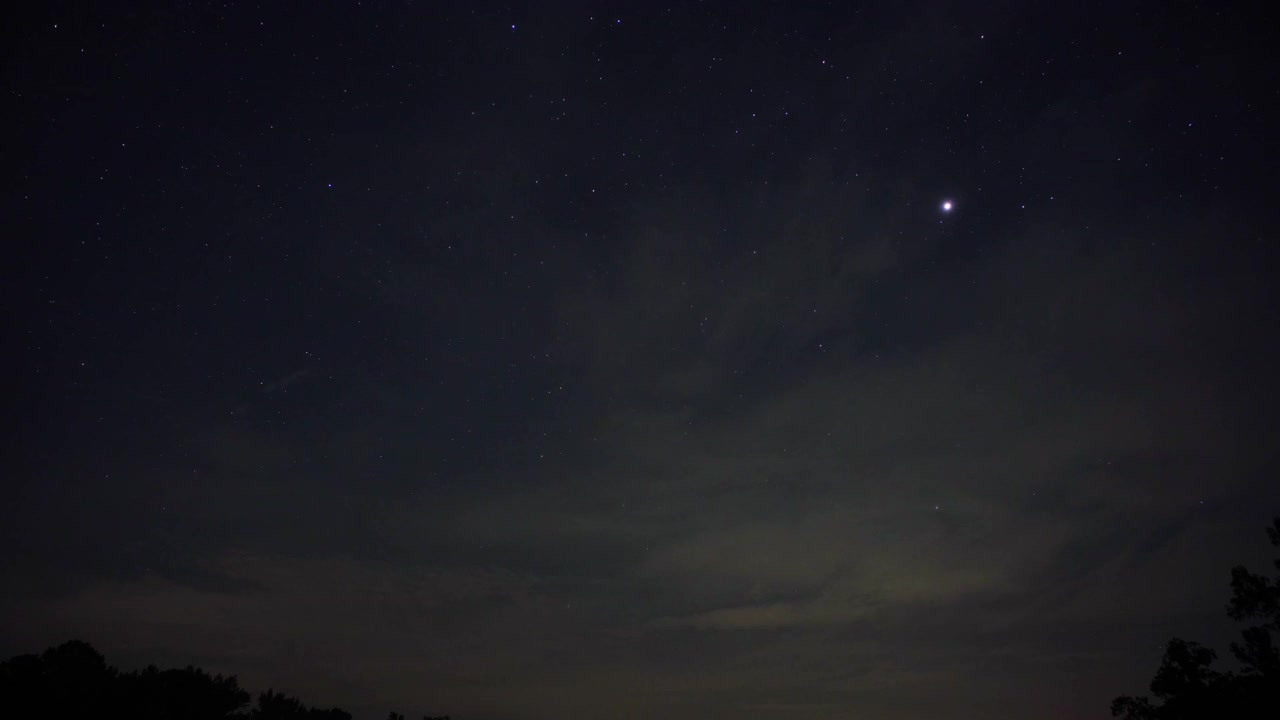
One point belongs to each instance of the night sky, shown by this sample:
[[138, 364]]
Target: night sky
[[640, 360]]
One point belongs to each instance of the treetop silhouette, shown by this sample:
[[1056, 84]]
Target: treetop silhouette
[[1187, 685], [73, 680]]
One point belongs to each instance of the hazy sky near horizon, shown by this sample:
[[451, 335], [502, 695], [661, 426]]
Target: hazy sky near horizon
[[568, 360]]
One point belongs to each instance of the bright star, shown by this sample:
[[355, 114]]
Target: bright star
[[946, 206]]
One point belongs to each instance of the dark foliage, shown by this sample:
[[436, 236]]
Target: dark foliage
[[277, 706], [74, 681], [1188, 687]]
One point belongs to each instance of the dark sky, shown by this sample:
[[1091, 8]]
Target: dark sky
[[555, 360]]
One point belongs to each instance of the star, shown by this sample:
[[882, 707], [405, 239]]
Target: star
[[947, 205]]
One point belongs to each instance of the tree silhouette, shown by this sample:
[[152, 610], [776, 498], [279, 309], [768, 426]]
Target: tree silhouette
[[73, 681], [1189, 688], [190, 693], [277, 706]]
